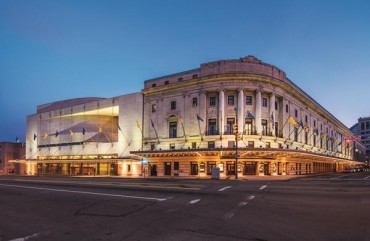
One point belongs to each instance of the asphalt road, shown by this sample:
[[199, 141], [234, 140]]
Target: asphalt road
[[320, 207]]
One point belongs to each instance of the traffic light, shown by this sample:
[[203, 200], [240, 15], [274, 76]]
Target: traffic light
[[235, 128], [237, 137]]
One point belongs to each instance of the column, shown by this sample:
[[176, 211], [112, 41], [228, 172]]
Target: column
[[221, 111], [203, 111], [284, 118], [258, 112], [240, 119], [272, 114]]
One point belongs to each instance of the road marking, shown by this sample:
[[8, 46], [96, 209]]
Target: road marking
[[366, 177], [229, 215], [90, 193], [250, 197], [342, 176], [29, 237], [194, 201], [263, 187], [241, 204], [224, 188]]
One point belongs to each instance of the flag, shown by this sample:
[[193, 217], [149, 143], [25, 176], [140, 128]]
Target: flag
[[138, 125], [100, 130], [34, 136], [300, 124], [71, 132], [56, 133], [323, 135], [199, 118], [83, 131], [272, 120], [292, 121], [306, 128], [46, 135], [16, 139], [152, 123], [250, 115]]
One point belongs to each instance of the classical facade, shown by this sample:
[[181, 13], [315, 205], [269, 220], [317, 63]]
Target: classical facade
[[239, 117], [190, 120]]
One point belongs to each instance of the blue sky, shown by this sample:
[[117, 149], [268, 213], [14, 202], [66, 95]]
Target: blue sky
[[56, 50]]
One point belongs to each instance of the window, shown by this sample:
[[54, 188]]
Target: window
[[248, 100], [180, 79], [212, 129], [212, 101], [276, 105], [268, 144], [295, 134], [229, 126], [211, 144], [173, 105], [154, 85], [154, 107], [251, 144], [286, 108], [306, 118], [264, 127], [152, 147], [231, 144], [193, 145], [166, 82], [195, 76], [176, 166], [248, 126], [314, 123], [314, 140], [296, 113], [195, 101], [264, 102], [230, 100], [128, 168], [173, 129], [172, 146], [305, 138]]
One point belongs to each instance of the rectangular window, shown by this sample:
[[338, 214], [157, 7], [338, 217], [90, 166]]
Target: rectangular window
[[176, 166], [314, 123], [276, 105], [212, 127], [172, 146], [264, 102], [286, 108], [195, 76], [268, 144], [180, 79], [264, 127], [231, 144], [295, 134], [296, 113], [212, 101], [306, 118], [363, 126], [248, 100], [173, 129], [195, 101], [248, 126], [251, 144], [193, 145], [367, 125], [173, 105], [314, 140], [154, 85], [305, 138], [230, 100], [152, 147], [154, 108], [166, 82], [229, 126], [211, 144]]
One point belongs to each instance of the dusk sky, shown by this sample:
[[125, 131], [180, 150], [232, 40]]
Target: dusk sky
[[58, 50]]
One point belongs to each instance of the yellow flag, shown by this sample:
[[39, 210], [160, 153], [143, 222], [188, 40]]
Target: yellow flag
[[138, 125], [71, 132], [292, 121], [100, 129], [46, 135]]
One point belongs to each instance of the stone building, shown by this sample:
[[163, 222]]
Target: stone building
[[11, 151]]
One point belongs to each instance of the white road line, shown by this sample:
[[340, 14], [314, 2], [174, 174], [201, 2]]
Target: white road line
[[29, 237], [90, 193], [224, 188], [250, 197], [263, 187], [242, 204], [229, 215], [366, 177], [342, 176], [194, 201]]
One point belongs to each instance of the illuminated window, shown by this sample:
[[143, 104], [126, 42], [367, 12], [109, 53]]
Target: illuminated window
[[193, 145], [172, 146]]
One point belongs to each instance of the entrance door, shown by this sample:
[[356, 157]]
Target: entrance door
[[250, 169], [153, 170], [266, 169], [230, 169], [194, 169], [210, 165], [167, 168]]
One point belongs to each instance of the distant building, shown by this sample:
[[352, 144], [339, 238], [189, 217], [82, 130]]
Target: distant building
[[362, 128], [11, 151]]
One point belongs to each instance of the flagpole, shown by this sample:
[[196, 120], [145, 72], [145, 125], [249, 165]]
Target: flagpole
[[282, 129], [183, 128], [155, 131]]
